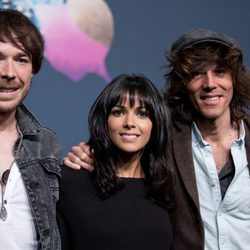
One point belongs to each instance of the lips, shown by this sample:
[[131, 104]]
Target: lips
[[8, 89], [8, 93], [129, 136], [9, 86], [210, 100]]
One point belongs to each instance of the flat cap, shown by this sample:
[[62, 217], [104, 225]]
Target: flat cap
[[196, 36]]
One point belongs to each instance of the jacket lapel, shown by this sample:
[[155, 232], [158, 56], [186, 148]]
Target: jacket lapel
[[247, 139], [182, 150]]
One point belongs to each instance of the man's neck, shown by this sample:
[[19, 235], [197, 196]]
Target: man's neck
[[7, 121], [8, 136], [220, 134], [218, 130]]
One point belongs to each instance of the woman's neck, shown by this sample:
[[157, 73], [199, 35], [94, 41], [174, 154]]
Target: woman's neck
[[129, 166]]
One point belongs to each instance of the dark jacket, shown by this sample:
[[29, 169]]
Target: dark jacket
[[38, 160], [188, 226]]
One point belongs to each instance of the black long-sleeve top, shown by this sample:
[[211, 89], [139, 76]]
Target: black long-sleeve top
[[127, 220]]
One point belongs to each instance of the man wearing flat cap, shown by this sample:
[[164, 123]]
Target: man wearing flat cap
[[208, 92]]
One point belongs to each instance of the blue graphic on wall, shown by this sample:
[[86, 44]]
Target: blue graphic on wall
[[77, 33]]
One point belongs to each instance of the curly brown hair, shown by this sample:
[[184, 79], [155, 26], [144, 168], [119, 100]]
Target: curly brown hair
[[184, 63]]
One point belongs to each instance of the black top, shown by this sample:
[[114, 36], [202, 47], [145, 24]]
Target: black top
[[226, 176], [127, 220]]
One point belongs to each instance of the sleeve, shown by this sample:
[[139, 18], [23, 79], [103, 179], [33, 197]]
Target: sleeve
[[63, 228]]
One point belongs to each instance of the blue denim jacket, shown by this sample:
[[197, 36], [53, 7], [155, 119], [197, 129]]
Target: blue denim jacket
[[38, 160]]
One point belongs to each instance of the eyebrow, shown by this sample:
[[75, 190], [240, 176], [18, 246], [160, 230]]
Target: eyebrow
[[121, 106], [118, 106], [21, 54]]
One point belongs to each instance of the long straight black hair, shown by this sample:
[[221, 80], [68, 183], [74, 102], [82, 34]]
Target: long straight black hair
[[158, 177]]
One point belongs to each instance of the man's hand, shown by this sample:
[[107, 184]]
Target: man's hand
[[79, 157]]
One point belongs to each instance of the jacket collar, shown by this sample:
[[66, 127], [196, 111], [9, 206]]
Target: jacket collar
[[27, 123]]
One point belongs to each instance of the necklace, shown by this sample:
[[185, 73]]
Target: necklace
[[4, 180]]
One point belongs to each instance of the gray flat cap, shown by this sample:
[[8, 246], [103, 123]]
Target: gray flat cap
[[196, 36]]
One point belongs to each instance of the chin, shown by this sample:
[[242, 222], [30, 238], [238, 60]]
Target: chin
[[211, 117], [202, 116], [5, 109]]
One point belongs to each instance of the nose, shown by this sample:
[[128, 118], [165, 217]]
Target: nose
[[210, 80], [8, 70], [128, 121]]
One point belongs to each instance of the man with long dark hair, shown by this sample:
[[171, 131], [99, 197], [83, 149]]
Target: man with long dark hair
[[208, 92]]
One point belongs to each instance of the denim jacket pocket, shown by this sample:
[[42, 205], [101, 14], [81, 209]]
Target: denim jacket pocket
[[53, 173]]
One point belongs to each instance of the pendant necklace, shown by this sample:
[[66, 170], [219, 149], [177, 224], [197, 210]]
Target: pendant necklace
[[4, 180]]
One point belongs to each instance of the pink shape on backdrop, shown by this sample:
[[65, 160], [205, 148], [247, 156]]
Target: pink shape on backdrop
[[68, 49]]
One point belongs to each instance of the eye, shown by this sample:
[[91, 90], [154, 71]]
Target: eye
[[142, 112], [117, 112], [23, 60], [196, 74], [219, 72]]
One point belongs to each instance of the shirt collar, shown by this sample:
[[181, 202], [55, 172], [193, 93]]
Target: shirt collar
[[198, 139], [197, 136]]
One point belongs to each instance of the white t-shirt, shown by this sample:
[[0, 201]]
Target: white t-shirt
[[17, 232]]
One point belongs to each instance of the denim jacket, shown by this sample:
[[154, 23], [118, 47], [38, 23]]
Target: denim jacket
[[39, 159]]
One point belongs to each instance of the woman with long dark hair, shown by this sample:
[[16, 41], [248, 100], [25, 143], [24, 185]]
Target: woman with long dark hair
[[123, 203]]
